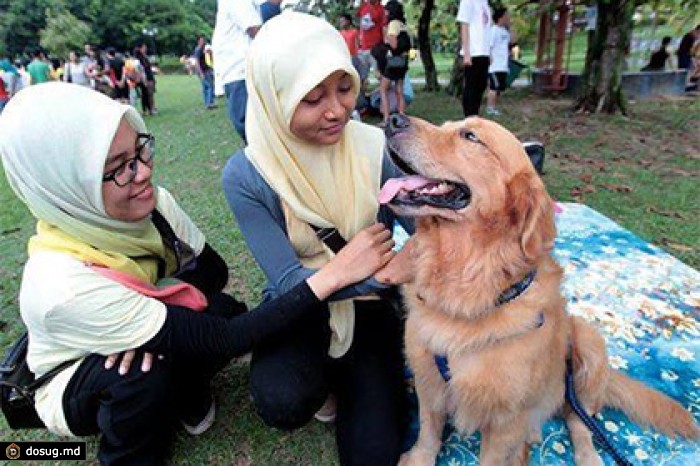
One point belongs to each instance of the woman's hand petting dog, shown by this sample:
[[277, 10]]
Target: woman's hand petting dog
[[400, 269], [368, 251]]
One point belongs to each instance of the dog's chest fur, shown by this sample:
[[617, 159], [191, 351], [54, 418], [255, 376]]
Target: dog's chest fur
[[500, 363]]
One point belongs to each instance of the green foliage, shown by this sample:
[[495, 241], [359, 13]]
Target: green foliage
[[63, 33], [20, 23], [332, 9], [205, 9], [678, 14], [117, 23], [178, 25], [444, 34]]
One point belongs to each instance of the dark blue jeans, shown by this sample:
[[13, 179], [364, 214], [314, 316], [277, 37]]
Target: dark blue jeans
[[208, 88], [236, 102]]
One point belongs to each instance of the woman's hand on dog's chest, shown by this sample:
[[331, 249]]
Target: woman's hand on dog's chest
[[400, 269]]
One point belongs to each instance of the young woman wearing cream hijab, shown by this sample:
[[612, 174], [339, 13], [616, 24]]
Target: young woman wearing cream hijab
[[97, 288], [308, 164]]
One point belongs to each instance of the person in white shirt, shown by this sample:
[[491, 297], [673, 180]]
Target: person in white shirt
[[499, 48], [25, 80], [75, 71], [474, 17], [237, 23]]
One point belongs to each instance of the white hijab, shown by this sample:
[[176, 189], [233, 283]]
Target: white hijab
[[327, 186], [54, 140]]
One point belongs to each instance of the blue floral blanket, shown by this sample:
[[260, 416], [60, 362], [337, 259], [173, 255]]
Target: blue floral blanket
[[646, 304]]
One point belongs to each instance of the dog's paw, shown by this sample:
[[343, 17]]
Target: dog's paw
[[417, 456], [534, 436]]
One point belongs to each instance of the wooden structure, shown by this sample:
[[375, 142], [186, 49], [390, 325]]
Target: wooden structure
[[554, 42]]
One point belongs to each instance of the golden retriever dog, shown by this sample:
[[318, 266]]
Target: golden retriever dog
[[484, 222]]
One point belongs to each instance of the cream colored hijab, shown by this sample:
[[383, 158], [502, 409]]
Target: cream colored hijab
[[328, 186], [54, 140]]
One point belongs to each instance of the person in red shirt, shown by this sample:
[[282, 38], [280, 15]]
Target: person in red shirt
[[352, 39], [349, 33], [372, 21], [4, 96]]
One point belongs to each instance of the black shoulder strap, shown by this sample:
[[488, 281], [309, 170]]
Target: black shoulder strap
[[184, 254], [166, 232], [330, 237], [49, 375], [20, 350], [335, 241], [163, 226]]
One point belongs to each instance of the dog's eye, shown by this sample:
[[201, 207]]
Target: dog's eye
[[469, 135]]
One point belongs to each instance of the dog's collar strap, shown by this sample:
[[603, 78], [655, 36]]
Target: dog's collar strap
[[508, 295], [441, 363], [517, 289]]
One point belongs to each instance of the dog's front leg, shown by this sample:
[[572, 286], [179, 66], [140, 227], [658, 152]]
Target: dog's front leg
[[506, 444], [431, 391]]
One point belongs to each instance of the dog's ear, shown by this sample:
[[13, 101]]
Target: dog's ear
[[531, 212]]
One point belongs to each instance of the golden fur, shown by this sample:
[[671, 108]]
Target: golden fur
[[507, 371]]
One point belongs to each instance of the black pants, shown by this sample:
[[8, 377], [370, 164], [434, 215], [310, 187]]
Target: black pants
[[146, 98], [475, 81], [136, 413], [291, 378]]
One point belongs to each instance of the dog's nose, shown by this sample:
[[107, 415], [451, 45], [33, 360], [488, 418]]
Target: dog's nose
[[397, 123]]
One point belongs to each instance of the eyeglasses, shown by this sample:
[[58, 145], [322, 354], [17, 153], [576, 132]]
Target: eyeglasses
[[126, 172]]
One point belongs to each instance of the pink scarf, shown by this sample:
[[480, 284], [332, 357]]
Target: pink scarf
[[176, 293]]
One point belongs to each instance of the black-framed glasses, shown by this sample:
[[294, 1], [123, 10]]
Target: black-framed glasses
[[126, 172]]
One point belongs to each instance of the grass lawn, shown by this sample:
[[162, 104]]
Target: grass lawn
[[642, 171]]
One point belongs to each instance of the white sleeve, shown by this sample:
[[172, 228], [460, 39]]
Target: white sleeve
[[245, 14], [104, 317], [225, 10], [465, 13]]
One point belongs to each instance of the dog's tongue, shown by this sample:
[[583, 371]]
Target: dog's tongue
[[392, 186]]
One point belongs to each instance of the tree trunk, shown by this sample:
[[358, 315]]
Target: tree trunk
[[454, 87], [456, 76], [602, 75], [426, 51]]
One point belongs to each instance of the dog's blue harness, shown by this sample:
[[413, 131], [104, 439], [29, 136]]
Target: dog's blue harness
[[506, 296], [517, 289]]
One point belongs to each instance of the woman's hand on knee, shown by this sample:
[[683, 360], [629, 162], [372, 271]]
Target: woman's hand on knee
[[368, 251], [127, 359]]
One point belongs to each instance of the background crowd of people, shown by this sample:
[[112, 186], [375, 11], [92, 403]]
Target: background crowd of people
[[124, 76], [369, 32], [687, 57]]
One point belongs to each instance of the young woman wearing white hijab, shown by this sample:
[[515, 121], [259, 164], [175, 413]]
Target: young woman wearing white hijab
[[98, 287], [308, 164]]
